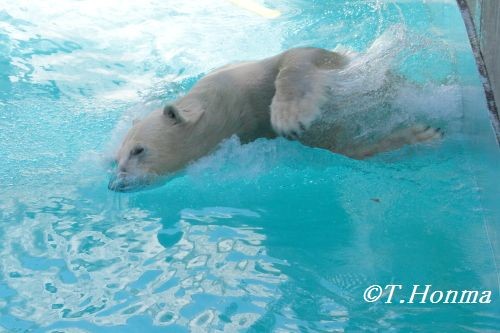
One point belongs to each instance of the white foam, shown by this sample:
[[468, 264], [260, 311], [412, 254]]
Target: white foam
[[371, 97]]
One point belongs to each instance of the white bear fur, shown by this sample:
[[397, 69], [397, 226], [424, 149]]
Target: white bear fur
[[285, 95]]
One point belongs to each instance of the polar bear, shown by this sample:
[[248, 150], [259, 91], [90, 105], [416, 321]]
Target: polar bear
[[284, 95]]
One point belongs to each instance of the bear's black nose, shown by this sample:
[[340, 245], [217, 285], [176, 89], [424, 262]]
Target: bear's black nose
[[115, 185], [118, 182]]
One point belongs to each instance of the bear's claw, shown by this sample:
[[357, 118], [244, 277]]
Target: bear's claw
[[291, 119]]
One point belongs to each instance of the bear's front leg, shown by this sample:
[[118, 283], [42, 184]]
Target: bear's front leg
[[300, 93]]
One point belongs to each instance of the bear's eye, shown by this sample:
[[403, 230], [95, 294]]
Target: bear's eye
[[136, 151], [169, 112]]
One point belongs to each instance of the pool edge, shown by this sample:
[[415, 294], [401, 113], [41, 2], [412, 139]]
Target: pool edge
[[481, 66]]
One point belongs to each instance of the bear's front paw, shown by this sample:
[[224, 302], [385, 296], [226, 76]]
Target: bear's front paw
[[291, 119]]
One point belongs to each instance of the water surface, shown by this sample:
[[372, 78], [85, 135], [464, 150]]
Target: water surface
[[267, 236]]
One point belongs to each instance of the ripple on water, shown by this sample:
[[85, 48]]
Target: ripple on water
[[265, 236]]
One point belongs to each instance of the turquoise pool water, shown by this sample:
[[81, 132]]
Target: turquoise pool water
[[267, 236]]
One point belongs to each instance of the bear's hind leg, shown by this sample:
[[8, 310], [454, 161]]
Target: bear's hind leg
[[398, 139]]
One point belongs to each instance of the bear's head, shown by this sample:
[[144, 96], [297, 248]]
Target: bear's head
[[156, 146]]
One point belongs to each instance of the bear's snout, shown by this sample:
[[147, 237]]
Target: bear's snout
[[118, 182], [123, 182], [130, 182]]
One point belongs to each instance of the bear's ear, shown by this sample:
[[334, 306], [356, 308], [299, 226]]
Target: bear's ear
[[173, 113]]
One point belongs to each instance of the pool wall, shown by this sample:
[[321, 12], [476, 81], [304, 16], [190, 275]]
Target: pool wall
[[485, 16]]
